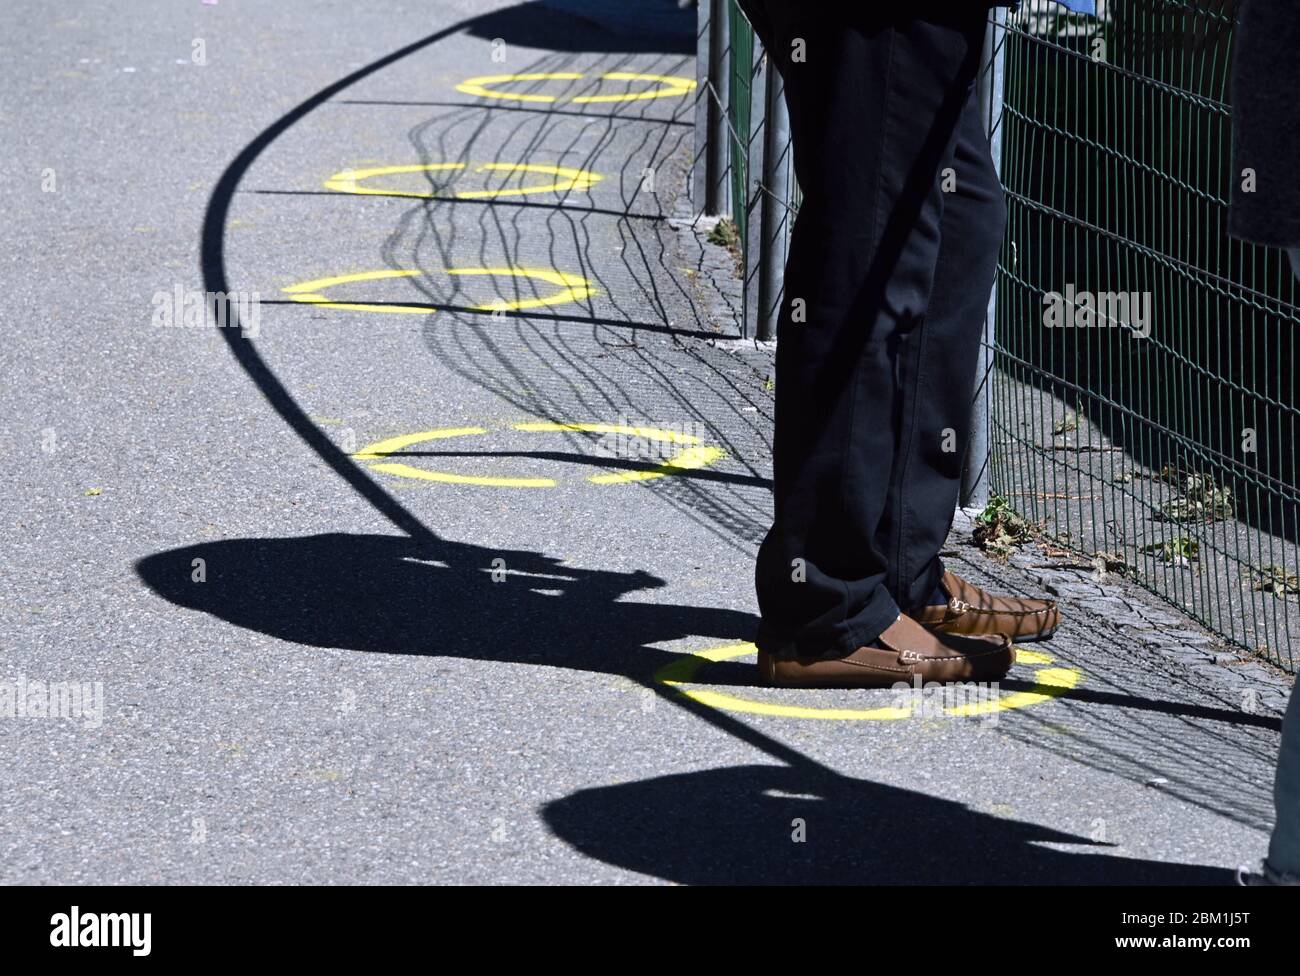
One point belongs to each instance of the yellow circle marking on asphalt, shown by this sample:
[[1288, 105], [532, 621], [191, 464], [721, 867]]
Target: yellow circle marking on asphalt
[[670, 86], [479, 85], [693, 456], [567, 178], [691, 459], [571, 287], [382, 449], [1049, 683], [349, 180]]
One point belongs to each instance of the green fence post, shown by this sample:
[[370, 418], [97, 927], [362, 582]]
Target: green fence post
[[975, 472]]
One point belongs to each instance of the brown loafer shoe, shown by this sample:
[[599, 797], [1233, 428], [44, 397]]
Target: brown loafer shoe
[[971, 612], [904, 652]]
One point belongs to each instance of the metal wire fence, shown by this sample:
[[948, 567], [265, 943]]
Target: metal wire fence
[[744, 172], [1140, 406], [1161, 443]]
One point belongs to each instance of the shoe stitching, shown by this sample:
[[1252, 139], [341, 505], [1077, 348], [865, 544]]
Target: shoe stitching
[[922, 658], [971, 608], [1010, 613]]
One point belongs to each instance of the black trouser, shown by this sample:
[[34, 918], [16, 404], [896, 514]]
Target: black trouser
[[891, 262]]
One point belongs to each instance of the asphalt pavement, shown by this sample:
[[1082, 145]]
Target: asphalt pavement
[[437, 566]]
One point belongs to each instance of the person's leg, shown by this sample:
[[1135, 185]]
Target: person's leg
[[1284, 847], [1266, 141], [876, 100], [941, 355]]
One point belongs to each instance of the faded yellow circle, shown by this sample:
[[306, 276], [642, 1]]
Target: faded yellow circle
[[669, 86], [571, 287], [692, 456], [564, 178], [1049, 683]]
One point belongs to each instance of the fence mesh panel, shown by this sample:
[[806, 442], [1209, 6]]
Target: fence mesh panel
[[1145, 405]]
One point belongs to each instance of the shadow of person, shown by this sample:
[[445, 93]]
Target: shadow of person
[[736, 826], [396, 595], [585, 26]]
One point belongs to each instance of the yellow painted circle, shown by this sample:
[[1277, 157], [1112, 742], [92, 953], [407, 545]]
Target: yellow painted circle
[[692, 456], [571, 288], [668, 86], [563, 179], [1049, 683]]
